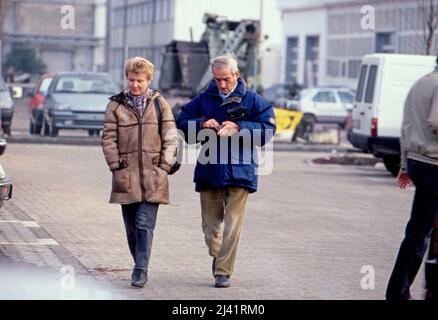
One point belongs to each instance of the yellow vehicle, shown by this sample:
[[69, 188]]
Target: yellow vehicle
[[287, 121]]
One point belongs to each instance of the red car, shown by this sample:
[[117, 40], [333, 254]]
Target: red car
[[36, 103]]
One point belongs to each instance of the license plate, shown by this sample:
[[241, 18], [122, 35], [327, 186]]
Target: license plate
[[356, 124]]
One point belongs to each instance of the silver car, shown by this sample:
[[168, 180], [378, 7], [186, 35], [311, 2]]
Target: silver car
[[77, 100]]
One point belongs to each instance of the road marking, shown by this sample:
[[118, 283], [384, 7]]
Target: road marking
[[29, 224], [40, 242]]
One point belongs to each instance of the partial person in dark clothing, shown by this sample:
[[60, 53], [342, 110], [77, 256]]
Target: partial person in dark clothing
[[419, 165]]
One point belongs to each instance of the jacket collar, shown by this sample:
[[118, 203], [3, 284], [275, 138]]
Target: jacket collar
[[235, 96], [123, 98]]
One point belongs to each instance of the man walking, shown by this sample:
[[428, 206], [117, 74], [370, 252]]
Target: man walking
[[225, 110], [419, 164]]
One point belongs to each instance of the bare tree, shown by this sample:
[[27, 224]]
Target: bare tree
[[429, 14]]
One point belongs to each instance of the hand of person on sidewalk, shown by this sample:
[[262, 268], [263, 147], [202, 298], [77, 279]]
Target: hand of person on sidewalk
[[403, 180], [212, 123], [228, 129]]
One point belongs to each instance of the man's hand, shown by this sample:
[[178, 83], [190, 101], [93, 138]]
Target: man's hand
[[228, 129], [212, 124], [403, 180]]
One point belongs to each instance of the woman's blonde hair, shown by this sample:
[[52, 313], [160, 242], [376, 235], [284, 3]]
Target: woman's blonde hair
[[139, 65]]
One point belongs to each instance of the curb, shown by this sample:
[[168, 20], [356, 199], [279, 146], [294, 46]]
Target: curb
[[95, 141]]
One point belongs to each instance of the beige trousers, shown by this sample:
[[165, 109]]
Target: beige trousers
[[225, 205]]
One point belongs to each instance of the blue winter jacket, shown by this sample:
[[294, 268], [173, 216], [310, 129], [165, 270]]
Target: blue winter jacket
[[227, 161]]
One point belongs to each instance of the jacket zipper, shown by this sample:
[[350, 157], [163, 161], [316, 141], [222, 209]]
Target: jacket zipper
[[140, 153]]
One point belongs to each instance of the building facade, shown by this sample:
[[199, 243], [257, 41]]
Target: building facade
[[66, 35], [346, 31], [145, 27]]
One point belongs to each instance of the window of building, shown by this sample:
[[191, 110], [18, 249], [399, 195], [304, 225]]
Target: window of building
[[117, 58], [291, 59], [332, 68], [150, 12], [353, 68], [145, 15], [158, 10], [118, 17], [170, 9], [311, 61], [138, 14], [164, 10], [385, 42]]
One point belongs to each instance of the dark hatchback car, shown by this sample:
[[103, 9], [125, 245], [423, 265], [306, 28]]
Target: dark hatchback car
[[76, 100]]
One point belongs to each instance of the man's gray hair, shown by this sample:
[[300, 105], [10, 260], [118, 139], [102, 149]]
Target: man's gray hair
[[224, 60]]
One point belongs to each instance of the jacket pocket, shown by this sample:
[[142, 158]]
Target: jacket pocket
[[121, 181], [161, 181], [430, 150]]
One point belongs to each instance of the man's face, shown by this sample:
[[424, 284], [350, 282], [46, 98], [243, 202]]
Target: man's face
[[137, 83], [225, 79]]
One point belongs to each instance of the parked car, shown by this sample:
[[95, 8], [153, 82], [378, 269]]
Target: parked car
[[327, 104], [6, 107], [384, 83], [36, 102], [76, 100], [5, 182], [280, 92]]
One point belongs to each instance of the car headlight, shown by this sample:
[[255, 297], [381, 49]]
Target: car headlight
[[62, 107], [5, 191]]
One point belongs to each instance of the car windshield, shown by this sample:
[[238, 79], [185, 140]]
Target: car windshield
[[45, 83], [85, 83]]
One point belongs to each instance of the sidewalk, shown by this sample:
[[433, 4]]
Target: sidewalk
[[33, 265]]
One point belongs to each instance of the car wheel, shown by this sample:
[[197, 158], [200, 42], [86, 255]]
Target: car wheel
[[7, 130], [31, 128], [392, 164], [37, 128], [45, 129], [53, 129]]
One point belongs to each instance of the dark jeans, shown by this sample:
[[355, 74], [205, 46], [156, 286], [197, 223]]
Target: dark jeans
[[418, 230], [140, 219]]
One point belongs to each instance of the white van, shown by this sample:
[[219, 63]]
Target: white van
[[384, 82]]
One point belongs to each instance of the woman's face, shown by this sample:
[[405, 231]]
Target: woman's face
[[138, 83]]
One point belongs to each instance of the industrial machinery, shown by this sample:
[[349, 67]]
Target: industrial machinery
[[185, 70]]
